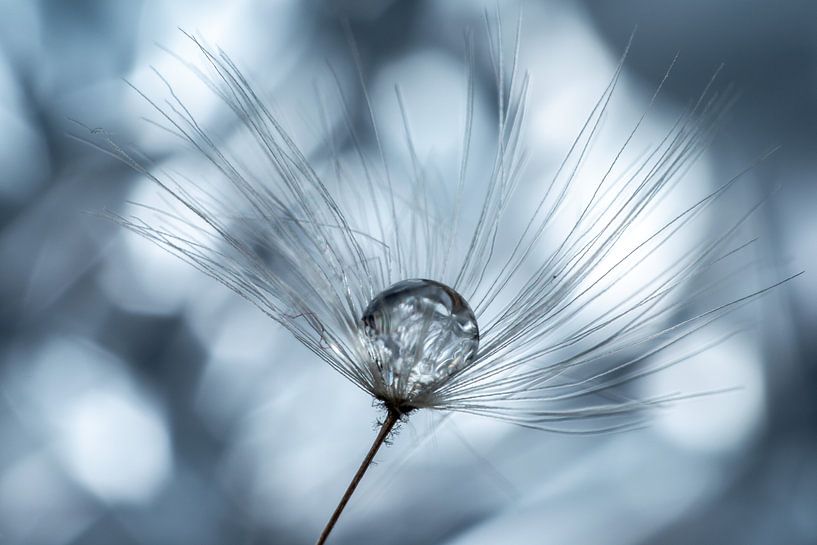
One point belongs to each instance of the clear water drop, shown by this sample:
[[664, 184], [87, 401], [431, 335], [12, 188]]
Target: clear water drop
[[419, 333]]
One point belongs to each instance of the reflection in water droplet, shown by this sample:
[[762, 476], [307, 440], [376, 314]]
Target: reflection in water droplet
[[419, 333]]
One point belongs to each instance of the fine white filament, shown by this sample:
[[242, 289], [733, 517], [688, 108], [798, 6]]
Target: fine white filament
[[312, 249]]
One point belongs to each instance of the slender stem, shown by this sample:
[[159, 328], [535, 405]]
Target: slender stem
[[385, 429]]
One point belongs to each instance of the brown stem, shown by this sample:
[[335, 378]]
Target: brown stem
[[385, 429]]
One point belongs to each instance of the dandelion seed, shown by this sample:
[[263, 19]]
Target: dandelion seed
[[419, 308]]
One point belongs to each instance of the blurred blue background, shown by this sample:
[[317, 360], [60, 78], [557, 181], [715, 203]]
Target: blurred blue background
[[142, 403]]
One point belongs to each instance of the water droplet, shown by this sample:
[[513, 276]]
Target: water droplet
[[419, 333]]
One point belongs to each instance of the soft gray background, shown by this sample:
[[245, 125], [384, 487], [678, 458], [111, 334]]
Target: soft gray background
[[141, 403]]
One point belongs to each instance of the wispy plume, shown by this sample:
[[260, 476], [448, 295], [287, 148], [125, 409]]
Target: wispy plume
[[416, 296]]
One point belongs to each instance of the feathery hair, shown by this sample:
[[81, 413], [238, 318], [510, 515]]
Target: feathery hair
[[314, 250]]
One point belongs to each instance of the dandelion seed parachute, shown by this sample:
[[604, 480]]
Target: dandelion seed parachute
[[408, 300], [314, 260]]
